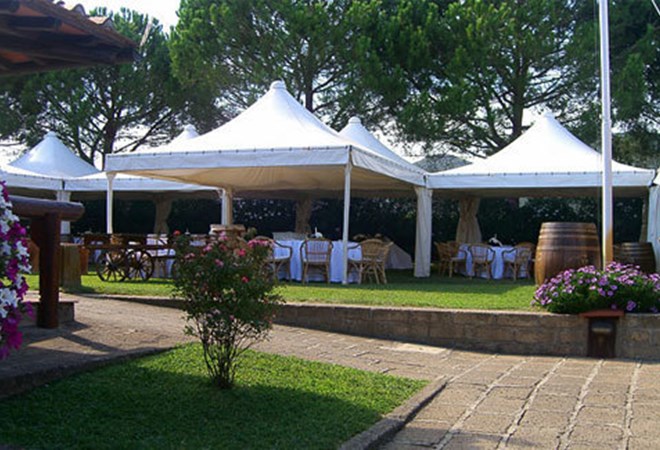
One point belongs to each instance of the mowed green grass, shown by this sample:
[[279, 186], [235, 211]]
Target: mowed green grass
[[402, 290], [167, 402]]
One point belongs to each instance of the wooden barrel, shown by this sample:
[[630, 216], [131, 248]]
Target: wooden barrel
[[565, 245], [70, 265], [638, 253]]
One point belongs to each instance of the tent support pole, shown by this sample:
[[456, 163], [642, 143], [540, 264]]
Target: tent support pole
[[608, 228], [65, 226], [347, 210], [108, 204]]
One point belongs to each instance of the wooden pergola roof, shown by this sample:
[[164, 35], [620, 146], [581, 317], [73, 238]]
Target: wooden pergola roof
[[42, 35]]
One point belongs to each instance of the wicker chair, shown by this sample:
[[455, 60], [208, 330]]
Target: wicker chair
[[532, 259], [482, 258], [371, 264], [444, 256], [315, 254], [279, 257], [458, 258], [518, 257]]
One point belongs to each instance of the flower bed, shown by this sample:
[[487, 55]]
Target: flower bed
[[617, 287], [13, 261]]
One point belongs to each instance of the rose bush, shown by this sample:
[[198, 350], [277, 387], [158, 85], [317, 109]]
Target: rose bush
[[14, 260], [228, 298], [618, 286]]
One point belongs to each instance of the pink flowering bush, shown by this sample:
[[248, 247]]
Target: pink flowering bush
[[618, 287], [14, 260], [228, 299]]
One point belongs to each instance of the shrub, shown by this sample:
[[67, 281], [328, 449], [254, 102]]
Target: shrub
[[228, 299], [618, 286], [13, 261]]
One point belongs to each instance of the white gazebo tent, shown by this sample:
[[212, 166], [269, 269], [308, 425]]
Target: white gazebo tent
[[547, 160], [277, 148], [22, 181], [48, 161], [51, 167], [356, 132], [653, 229], [131, 186]]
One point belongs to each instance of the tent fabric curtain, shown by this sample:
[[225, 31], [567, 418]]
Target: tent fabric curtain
[[163, 209], [653, 227], [645, 220], [227, 207], [468, 230], [303, 214], [423, 232]]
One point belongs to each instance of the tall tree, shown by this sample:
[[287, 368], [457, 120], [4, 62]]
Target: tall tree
[[476, 66], [238, 47], [105, 109], [635, 79]]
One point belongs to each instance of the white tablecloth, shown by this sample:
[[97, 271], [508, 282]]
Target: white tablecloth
[[497, 266], [335, 261]]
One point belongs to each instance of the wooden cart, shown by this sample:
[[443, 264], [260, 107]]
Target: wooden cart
[[121, 257]]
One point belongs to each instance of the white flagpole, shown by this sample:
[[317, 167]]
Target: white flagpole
[[606, 139]]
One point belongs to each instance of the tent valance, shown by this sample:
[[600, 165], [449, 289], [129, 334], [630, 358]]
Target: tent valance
[[545, 160], [265, 147]]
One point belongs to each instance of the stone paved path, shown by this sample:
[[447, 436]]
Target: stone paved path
[[491, 401]]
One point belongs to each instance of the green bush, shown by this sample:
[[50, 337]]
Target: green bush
[[227, 297]]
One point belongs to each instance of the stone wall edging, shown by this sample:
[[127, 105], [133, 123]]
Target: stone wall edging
[[514, 332]]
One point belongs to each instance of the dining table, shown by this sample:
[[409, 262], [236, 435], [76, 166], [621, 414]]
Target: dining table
[[336, 263], [502, 254]]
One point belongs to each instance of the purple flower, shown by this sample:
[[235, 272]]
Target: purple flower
[[630, 305]]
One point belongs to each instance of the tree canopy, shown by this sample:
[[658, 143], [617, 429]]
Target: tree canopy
[[239, 47], [104, 109], [453, 75]]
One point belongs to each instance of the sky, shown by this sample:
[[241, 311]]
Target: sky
[[163, 10]]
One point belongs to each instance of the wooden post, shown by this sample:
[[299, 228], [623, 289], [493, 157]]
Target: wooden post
[[46, 218], [46, 233]]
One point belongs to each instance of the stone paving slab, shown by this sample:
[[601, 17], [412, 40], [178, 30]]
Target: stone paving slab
[[490, 401]]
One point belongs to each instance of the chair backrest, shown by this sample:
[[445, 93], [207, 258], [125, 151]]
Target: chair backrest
[[374, 250], [481, 253], [316, 250], [445, 251], [529, 245], [523, 254], [453, 247]]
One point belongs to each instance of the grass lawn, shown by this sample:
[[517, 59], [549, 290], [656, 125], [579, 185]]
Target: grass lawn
[[167, 401], [403, 290]]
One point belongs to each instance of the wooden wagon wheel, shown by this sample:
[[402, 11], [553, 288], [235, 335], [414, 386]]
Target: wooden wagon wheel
[[140, 265], [111, 265]]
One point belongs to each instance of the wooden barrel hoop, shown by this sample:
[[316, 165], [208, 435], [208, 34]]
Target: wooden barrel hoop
[[637, 253], [565, 245]]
